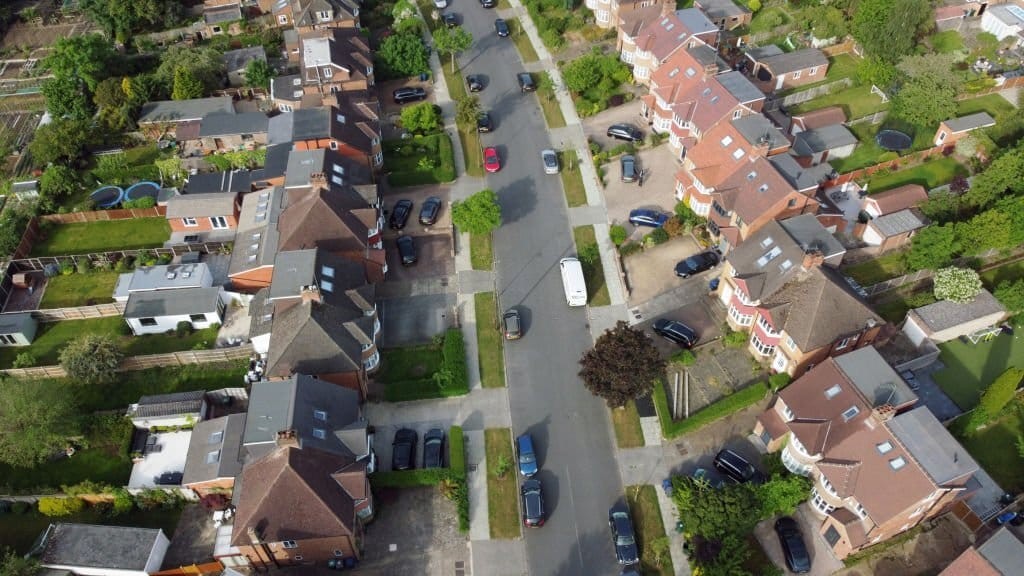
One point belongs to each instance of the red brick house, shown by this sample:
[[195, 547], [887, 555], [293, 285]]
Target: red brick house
[[204, 217], [950, 131], [778, 70], [647, 37]]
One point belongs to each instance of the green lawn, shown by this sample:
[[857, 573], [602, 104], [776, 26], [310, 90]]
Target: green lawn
[[857, 102], [130, 386], [840, 67], [490, 341], [572, 179], [408, 373], [970, 368], [549, 104], [761, 23], [481, 251], [878, 269], [1006, 273], [997, 106], [527, 53], [947, 42], [53, 336], [19, 531], [868, 152], [590, 261], [995, 447], [409, 363], [84, 238], [626, 422], [96, 287], [502, 494], [930, 174], [469, 137], [643, 508], [420, 160]]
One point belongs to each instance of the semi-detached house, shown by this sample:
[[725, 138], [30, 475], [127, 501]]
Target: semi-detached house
[[647, 37]]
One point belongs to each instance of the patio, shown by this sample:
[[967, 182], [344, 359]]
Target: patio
[[166, 456]]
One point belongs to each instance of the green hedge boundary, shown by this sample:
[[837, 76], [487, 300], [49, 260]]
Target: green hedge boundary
[[728, 405], [453, 367], [457, 451]]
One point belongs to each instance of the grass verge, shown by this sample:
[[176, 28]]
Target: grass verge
[[650, 530], [522, 41], [593, 270], [489, 341], [103, 236], [481, 251], [421, 160], [549, 104], [96, 287], [572, 179], [626, 422], [728, 405], [502, 493]]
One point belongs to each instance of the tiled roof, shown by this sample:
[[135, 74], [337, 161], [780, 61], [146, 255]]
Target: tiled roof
[[327, 219], [971, 562], [237, 60], [721, 8], [970, 122], [945, 314], [220, 124], [335, 276], [753, 189], [316, 338], [895, 223], [760, 261], [822, 139], [820, 117], [256, 240], [344, 49], [784, 62], [899, 198]]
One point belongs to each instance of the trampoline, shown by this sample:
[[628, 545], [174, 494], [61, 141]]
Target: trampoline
[[142, 190], [107, 196], [893, 140]]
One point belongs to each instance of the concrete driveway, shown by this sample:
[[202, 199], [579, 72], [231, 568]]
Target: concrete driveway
[[418, 195], [656, 192], [694, 315], [596, 127], [823, 562], [434, 253], [415, 318], [650, 272]]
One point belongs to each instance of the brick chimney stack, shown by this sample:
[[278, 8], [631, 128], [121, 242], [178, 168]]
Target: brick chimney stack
[[813, 259], [287, 438], [318, 181], [311, 294]]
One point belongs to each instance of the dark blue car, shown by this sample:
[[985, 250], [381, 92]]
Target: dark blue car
[[647, 217]]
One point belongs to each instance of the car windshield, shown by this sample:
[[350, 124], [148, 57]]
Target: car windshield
[[625, 541], [527, 458]]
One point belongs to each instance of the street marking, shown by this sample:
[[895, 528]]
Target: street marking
[[575, 525]]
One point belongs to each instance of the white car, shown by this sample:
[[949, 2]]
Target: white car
[[550, 160], [440, 4]]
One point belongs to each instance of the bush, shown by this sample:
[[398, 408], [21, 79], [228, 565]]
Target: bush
[[658, 236], [457, 451], [83, 266], [728, 405], [215, 501], [617, 234], [144, 202], [453, 354], [779, 381], [184, 328], [24, 360], [684, 357], [734, 339], [673, 227], [87, 487], [91, 358], [55, 506], [154, 498], [630, 248], [20, 507], [123, 502], [67, 267]]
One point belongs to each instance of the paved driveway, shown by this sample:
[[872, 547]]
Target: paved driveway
[[823, 562], [596, 127], [415, 319], [657, 191], [434, 254], [418, 195], [651, 272]]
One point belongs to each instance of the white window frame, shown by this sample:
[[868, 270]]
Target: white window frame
[[796, 75], [189, 221], [736, 114], [820, 503], [218, 222], [844, 342], [768, 330], [289, 544], [333, 145], [812, 71], [790, 344], [740, 318], [328, 72], [761, 348], [282, 19]]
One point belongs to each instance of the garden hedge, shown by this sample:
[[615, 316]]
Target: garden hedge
[[728, 405]]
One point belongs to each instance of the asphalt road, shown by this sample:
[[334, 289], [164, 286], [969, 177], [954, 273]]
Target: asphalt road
[[570, 427]]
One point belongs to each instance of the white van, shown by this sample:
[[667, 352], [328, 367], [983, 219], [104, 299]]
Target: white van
[[573, 282]]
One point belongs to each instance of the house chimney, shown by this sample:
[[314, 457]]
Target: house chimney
[[884, 412], [287, 438], [318, 180], [311, 293], [812, 259]]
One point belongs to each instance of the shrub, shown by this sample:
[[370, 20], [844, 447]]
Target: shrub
[[184, 328], [87, 487], [673, 227], [20, 507], [67, 267], [215, 501], [617, 234], [658, 236], [24, 360], [154, 498], [56, 506], [630, 248], [779, 381], [145, 202], [733, 338], [83, 266], [684, 357], [123, 502], [91, 358]]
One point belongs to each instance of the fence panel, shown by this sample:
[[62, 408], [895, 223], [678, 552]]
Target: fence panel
[[812, 93], [79, 312], [40, 262], [104, 215], [148, 361]]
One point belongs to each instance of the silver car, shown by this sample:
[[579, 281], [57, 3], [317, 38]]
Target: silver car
[[550, 159]]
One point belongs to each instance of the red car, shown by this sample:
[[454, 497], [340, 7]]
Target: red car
[[491, 161]]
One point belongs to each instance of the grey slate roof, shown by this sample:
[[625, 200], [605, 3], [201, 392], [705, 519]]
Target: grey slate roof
[[707, 56], [220, 14], [230, 181], [722, 8], [261, 313], [302, 124], [755, 127], [275, 164], [900, 222], [875, 379], [785, 62], [695, 21], [932, 446], [311, 338], [821, 139], [237, 60], [739, 86], [104, 547], [338, 169], [201, 205], [808, 232], [758, 260], [184, 110], [286, 88], [169, 404], [215, 450], [1004, 551], [292, 404], [17, 323], [798, 176], [295, 269], [175, 302], [970, 122], [944, 314], [220, 124], [256, 240]]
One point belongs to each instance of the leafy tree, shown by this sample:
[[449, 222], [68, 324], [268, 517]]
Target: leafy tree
[[186, 84], [403, 10], [120, 18], [943, 206], [57, 506], [171, 169], [61, 141], [924, 101], [990, 229], [958, 285], [727, 556], [59, 181], [258, 73], [478, 214], [782, 494], [403, 55], [714, 513], [204, 63], [996, 396], [825, 21], [1005, 175], [937, 66], [85, 58], [422, 118], [12, 564], [66, 98], [1011, 295], [91, 358], [889, 29], [623, 365], [583, 73], [467, 109], [874, 70], [36, 421], [110, 93], [933, 247], [1013, 208], [452, 41]]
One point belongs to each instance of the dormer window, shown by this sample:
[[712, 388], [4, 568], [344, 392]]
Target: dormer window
[[736, 114], [328, 72]]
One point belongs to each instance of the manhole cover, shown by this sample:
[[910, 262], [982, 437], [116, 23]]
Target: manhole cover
[[681, 449]]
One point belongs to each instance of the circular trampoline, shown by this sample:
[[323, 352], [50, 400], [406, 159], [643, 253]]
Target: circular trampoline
[[893, 140], [107, 196], [142, 190]]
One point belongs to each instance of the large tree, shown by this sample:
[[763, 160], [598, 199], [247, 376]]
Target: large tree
[[59, 181], [119, 18], [452, 41], [91, 358], [186, 84], [422, 118], [924, 101], [933, 247], [61, 141], [889, 29], [1003, 177], [467, 109], [715, 512], [36, 421], [204, 63], [85, 58], [478, 214], [259, 73], [623, 365], [402, 55], [1011, 295], [66, 98], [990, 229]]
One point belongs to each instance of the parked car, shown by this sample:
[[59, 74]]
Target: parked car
[[403, 449], [527, 457], [735, 467], [407, 250], [440, 4], [491, 161], [433, 448], [793, 547], [628, 165], [406, 95], [512, 325], [625, 132], [474, 82], [550, 160], [488, 3], [501, 27], [675, 332], [696, 264], [450, 20], [483, 122], [533, 503], [430, 210], [622, 535], [526, 83], [647, 217], [400, 214]]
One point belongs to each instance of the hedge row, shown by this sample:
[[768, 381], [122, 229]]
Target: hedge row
[[728, 405], [457, 451], [454, 360]]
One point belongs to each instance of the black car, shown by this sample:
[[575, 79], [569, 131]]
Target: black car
[[526, 83], [675, 332], [407, 250], [646, 217], [433, 448], [625, 132], [512, 325], [533, 503], [403, 449], [483, 122], [735, 467], [450, 20], [474, 82], [793, 547], [622, 535], [488, 3], [430, 210], [629, 170], [501, 27], [406, 95], [696, 264], [400, 214]]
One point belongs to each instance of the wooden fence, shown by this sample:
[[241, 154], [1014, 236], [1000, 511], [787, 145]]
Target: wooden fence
[[104, 215], [812, 93], [893, 165], [40, 262], [79, 312], [148, 361], [920, 275]]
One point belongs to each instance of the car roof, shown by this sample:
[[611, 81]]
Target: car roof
[[622, 522]]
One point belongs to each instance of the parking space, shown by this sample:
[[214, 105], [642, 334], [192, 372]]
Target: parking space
[[596, 127], [823, 562], [385, 434], [415, 319], [694, 315], [650, 272], [656, 192], [415, 532], [434, 258], [385, 90], [418, 195]]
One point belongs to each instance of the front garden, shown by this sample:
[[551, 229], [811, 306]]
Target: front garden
[[595, 81], [560, 24], [655, 557], [436, 370], [101, 236], [502, 495], [420, 160], [490, 341]]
